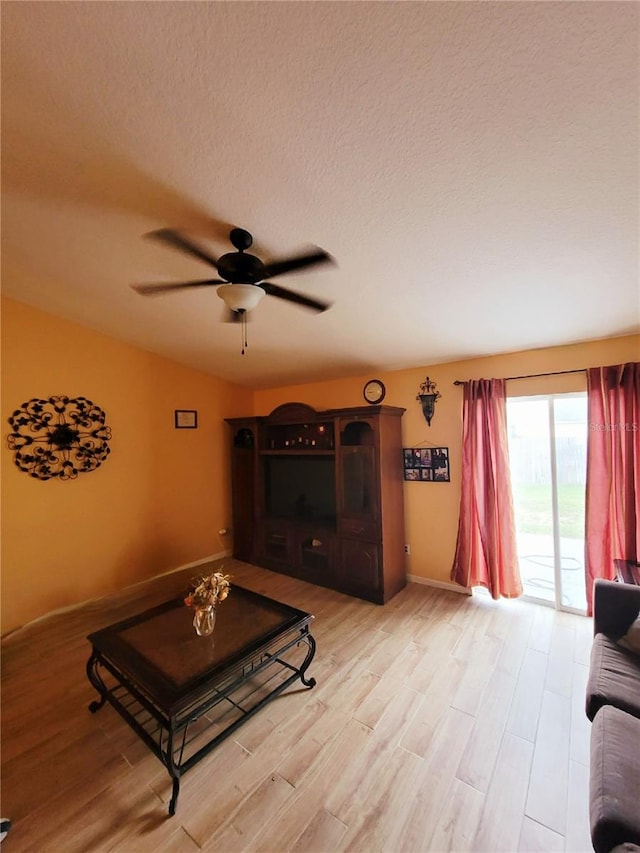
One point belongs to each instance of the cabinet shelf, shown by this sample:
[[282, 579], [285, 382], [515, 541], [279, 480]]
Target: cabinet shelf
[[305, 451], [322, 527]]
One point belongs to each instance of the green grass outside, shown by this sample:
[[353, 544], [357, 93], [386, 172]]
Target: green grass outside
[[534, 515]]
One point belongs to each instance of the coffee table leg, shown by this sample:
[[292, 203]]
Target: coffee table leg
[[174, 771], [311, 682], [175, 790], [98, 683]]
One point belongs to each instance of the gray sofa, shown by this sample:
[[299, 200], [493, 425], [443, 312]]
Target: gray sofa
[[613, 706]]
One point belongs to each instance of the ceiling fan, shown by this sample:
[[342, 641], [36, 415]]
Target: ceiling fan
[[243, 277]]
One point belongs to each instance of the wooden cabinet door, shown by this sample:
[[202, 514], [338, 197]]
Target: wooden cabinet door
[[360, 567], [315, 556], [243, 504], [277, 545]]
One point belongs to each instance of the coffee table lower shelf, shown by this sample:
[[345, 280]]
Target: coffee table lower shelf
[[182, 737]]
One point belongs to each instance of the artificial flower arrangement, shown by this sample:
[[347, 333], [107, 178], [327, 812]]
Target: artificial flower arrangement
[[208, 590]]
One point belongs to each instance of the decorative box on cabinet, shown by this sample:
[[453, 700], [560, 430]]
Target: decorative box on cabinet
[[319, 495]]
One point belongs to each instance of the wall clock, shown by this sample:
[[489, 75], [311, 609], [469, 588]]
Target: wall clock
[[374, 391]]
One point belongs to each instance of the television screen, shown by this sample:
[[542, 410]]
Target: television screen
[[301, 487]]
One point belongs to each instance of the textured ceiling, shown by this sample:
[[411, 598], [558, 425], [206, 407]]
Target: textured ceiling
[[472, 167]]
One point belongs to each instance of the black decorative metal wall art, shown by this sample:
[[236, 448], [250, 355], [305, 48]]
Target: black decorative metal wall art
[[59, 437]]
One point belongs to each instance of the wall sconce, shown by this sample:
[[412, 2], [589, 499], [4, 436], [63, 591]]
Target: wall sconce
[[428, 396]]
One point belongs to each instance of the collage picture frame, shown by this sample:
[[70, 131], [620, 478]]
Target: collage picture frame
[[426, 464]]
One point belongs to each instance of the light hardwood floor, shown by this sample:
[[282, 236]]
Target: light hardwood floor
[[439, 722]]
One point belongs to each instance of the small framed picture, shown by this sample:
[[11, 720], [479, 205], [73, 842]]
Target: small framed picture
[[186, 419], [425, 458]]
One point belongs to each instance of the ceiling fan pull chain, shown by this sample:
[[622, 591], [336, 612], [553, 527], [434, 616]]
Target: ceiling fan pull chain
[[243, 329]]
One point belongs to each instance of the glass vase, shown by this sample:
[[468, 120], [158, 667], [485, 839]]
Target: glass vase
[[204, 620]]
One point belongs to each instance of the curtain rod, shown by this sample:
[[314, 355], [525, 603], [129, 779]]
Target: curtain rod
[[535, 375]]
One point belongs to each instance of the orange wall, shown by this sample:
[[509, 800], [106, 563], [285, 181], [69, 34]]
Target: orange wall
[[155, 504], [162, 495], [431, 509]]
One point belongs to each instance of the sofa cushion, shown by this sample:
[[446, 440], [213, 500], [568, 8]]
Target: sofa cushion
[[614, 783], [614, 678], [631, 640]]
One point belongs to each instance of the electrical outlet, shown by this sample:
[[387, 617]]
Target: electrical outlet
[[407, 549]]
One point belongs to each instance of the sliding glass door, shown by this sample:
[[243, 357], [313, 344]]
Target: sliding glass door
[[547, 452]]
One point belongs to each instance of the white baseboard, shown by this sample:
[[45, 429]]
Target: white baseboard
[[193, 565], [70, 607], [452, 587]]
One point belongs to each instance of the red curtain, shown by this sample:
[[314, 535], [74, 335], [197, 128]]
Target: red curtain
[[486, 551], [612, 518]]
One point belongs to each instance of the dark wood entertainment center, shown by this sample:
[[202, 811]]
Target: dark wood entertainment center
[[319, 495]]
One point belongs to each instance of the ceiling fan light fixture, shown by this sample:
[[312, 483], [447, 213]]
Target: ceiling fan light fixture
[[240, 297]]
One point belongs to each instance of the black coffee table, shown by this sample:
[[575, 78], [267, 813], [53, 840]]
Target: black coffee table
[[183, 694]]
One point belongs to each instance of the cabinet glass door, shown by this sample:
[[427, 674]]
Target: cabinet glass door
[[358, 481]]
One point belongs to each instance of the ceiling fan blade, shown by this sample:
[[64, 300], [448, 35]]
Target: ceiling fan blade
[[174, 239], [292, 296], [159, 289], [297, 263]]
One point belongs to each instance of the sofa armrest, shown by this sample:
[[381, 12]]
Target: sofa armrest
[[615, 606]]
